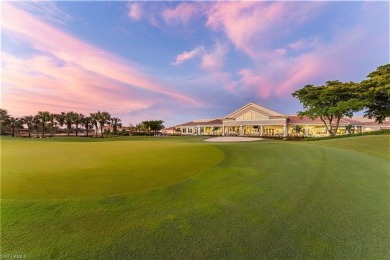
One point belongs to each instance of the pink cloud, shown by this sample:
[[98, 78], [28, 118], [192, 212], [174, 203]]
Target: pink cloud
[[251, 26], [188, 55], [135, 11], [46, 85], [182, 13], [70, 64], [214, 59]]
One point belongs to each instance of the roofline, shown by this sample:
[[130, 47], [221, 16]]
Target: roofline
[[251, 103]]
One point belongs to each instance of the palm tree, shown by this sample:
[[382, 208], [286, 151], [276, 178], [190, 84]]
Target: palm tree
[[86, 122], [103, 118], [44, 117], [94, 122], [68, 119], [115, 122], [36, 124], [60, 118], [29, 121], [77, 119], [52, 120]]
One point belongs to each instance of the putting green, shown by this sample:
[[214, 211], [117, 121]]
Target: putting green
[[58, 170]]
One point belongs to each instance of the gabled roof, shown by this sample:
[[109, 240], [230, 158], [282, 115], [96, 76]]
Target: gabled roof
[[202, 122], [294, 119], [263, 110]]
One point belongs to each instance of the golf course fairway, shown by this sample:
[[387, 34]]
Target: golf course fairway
[[179, 197]]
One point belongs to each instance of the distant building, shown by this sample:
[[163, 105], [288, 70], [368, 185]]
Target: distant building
[[256, 120]]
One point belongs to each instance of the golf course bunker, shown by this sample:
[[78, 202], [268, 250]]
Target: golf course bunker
[[232, 139]]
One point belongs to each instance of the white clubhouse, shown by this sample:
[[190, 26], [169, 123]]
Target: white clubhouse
[[256, 120]]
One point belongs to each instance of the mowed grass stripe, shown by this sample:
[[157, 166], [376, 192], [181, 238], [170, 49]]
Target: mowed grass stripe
[[43, 170], [264, 200], [379, 146]]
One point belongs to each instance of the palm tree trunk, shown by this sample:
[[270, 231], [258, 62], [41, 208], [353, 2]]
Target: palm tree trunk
[[101, 129]]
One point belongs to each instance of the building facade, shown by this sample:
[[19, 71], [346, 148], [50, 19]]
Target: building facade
[[256, 120]]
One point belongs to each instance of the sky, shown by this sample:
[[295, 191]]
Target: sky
[[179, 61]]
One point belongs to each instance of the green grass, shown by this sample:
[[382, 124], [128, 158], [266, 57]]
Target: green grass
[[379, 146], [58, 170], [269, 199]]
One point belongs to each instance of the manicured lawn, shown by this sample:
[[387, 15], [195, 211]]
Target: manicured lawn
[[264, 199], [58, 170]]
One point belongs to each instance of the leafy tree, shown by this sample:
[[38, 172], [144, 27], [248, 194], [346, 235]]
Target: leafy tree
[[4, 119], [115, 122], [15, 124], [329, 102], [375, 93], [29, 121], [153, 125], [141, 127], [44, 118]]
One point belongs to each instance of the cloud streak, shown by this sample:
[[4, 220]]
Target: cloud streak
[[62, 54]]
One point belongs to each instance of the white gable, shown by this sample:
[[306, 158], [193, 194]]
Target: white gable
[[253, 112], [251, 115]]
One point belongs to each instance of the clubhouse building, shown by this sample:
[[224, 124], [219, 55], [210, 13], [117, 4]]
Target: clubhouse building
[[256, 120]]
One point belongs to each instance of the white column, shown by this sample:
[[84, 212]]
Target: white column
[[198, 133], [285, 131], [261, 130], [240, 129], [307, 130], [223, 130]]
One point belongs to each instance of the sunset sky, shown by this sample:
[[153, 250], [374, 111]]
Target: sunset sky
[[179, 61]]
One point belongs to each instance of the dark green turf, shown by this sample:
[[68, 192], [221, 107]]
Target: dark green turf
[[264, 200]]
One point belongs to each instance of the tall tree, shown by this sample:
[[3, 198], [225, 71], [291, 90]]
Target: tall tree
[[36, 124], [15, 124], [29, 121], [375, 94], [69, 119], [154, 125], [4, 119], [60, 118], [86, 122], [44, 118], [52, 123], [329, 102], [115, 122], [141, 127], [94, 122], [77, 119], [103, 118]]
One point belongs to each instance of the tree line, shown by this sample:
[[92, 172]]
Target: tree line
[[46, 122], [335, 99]]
